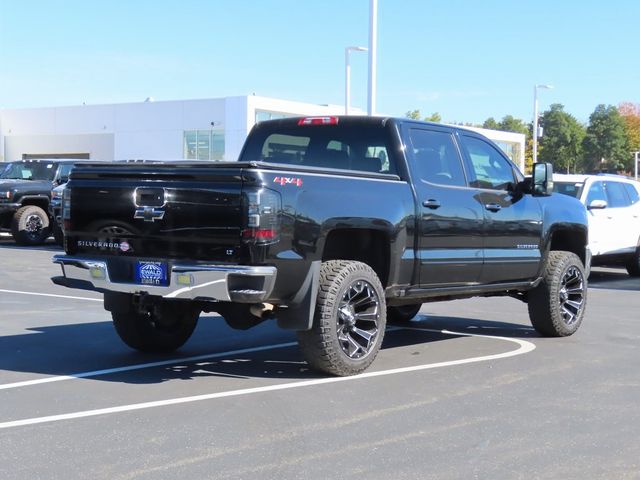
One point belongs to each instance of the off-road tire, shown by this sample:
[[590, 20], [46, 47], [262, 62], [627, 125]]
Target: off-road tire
[[402, 314], [633, 265], [557, 304], [156, 333], [350, 303], [30, 225]]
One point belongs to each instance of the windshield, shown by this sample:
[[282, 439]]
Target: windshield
[[573, 189], [29, 171]]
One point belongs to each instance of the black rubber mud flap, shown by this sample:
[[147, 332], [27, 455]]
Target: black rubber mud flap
[[299, 314], [118, 302]]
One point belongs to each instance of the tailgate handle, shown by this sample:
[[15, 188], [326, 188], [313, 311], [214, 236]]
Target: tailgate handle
[[150, 197], [493, 207]]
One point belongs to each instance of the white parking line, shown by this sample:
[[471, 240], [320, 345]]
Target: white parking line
[[140, 366], [2, 290], [523, 347]]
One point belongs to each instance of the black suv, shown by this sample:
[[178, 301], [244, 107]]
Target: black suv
[[25, 194]]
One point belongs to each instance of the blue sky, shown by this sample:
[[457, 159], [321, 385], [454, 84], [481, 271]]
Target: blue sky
[[467, 60]]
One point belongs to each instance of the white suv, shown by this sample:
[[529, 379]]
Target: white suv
[[613, 209]]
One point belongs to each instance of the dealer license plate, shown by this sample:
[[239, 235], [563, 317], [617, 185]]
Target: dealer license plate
[[152, 273]]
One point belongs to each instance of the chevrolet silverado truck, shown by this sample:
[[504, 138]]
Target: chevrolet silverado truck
[[330, 226], [25, 194]]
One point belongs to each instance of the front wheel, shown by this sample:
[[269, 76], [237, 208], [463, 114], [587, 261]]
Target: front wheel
[[349, 319], [160, 330], [557, 304], [30, 225]]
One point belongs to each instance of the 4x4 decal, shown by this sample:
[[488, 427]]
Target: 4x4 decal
[[288, 181]]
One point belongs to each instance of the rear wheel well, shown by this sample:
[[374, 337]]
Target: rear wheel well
[[363, 245], [570, 241]]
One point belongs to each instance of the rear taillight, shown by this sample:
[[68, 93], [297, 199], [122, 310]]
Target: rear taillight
[[263, 216], [66, 209], [318, 121]]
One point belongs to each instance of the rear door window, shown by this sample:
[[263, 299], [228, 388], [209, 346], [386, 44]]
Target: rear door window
[[436, 157]]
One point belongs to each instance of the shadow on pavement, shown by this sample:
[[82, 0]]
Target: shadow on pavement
[[613, 279], [72, 349], [6, 242]]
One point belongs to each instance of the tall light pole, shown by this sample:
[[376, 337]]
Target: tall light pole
[[347, 76], [373, 52], [535, 119], [635, 155]]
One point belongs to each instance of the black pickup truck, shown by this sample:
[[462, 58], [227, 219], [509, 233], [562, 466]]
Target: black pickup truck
[[332, 226], [25, 193]]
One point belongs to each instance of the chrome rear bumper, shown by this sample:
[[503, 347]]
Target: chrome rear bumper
[[236, 283]]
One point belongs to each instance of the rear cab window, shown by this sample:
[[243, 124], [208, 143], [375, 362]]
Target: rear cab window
[[345, 146]]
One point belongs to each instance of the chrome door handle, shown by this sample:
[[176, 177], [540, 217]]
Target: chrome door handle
[[432, 203], [493, 207]]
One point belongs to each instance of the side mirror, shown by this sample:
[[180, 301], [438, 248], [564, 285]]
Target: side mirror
[[542, 180], [597, 205]]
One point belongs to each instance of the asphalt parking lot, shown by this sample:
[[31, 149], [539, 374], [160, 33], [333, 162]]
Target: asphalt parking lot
[[469, 391]]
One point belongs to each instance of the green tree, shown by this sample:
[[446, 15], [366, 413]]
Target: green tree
[[561, 144], [416, 115], [491, 124], [413, 114], [512, 124], [606, 144], [434, 117]]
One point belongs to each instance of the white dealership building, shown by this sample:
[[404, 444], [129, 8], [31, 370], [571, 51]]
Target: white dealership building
[[210, 129]]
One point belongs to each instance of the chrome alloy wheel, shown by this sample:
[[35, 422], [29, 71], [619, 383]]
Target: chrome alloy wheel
[[571, 295], [358, 319], [33, 225]]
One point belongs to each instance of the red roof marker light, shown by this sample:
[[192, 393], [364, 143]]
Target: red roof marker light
[[318, 121]]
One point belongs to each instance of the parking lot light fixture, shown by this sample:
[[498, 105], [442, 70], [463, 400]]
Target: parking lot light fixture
[[347, 75], [535, 119]]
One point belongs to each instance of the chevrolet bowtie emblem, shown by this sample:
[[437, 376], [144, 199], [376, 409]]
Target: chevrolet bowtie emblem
[[149, 214]]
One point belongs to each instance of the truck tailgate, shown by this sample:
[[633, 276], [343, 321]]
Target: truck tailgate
[[169, 210]]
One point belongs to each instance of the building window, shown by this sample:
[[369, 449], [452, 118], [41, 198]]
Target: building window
[[204, 144]]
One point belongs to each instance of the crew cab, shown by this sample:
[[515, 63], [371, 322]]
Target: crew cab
[[330, 226]]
